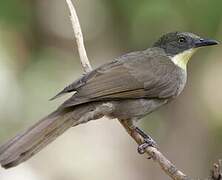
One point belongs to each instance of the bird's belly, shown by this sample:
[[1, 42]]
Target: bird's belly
[[135, 108]]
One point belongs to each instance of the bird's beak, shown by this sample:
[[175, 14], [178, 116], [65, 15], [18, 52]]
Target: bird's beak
[[205, 42]]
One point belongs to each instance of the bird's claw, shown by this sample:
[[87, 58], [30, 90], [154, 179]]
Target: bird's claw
[[148, 142]]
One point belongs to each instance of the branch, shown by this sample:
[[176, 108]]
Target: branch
[[156, 155], [216, 173], [169, 168], [79, 37]]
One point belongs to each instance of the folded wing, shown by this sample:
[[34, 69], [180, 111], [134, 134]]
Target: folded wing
[[134, 75]]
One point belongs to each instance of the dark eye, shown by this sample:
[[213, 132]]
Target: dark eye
[[182, 40]]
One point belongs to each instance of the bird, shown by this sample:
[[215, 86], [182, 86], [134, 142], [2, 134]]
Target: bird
[[136, 83]]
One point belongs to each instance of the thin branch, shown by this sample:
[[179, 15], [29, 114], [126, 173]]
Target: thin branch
[[216, 173], [79, 37], [169, 168]]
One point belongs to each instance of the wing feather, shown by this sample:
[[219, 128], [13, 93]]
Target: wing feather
[[144, 74]]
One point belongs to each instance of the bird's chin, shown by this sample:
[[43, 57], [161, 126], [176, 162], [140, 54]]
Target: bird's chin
[[182, 59]]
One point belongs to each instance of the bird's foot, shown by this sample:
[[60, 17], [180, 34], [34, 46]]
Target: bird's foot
[[148, 142]]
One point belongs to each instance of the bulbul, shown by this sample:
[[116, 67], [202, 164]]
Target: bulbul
[[136, 84]]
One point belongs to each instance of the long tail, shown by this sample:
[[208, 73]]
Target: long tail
[[25, 145]]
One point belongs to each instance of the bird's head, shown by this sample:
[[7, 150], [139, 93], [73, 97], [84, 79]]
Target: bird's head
[[180, 46]]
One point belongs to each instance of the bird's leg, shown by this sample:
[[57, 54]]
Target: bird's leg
[[148, 141], [141, 138]]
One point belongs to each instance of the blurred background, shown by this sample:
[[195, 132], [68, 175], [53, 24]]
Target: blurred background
[[38, 57]]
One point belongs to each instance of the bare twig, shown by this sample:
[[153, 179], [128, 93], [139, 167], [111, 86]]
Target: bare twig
[[216, 173], [169, 168], [79, 37]]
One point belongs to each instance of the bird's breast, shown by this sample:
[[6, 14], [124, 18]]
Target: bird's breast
[[182, 79]]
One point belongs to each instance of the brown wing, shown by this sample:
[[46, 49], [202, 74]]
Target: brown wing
[[145, 74]]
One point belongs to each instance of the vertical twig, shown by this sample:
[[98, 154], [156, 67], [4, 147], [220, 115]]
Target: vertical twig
[[216, 173], [79, 37]]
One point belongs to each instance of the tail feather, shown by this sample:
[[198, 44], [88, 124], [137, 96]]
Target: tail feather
[[25, 145]]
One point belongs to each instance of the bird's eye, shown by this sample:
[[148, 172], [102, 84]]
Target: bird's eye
[[181, 40]]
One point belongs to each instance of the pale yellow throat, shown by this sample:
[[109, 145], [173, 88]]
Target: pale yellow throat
[[182, 59]]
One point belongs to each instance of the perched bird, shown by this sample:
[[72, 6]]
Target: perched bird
[[136, 84]]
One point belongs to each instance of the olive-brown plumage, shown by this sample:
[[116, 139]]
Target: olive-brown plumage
[[143, 74], [136, 84]]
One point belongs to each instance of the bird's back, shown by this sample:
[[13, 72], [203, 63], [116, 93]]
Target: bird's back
[[141, 74]]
